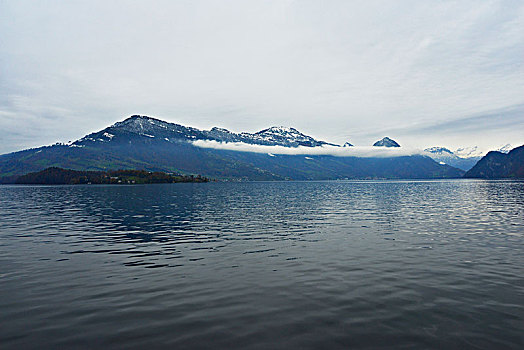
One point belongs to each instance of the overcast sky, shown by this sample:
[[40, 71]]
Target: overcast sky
[[425, 73]]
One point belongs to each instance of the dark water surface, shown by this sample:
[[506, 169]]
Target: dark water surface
[[278, 265]]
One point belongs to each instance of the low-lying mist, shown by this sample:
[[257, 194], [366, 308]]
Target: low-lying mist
[[353, 151]]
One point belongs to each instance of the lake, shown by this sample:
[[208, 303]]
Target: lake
[[263, 265]]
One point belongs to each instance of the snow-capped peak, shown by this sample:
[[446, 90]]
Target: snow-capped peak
[[280, 130], [386, 142], [469, 152], [283, 135], [438, 150]]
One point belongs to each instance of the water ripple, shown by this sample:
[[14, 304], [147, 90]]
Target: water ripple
[[348, 264]]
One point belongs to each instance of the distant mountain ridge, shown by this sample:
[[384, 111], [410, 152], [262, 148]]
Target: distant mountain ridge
[[498, 165], [446, 156], [463, 158], [140, 142], [469, 152]]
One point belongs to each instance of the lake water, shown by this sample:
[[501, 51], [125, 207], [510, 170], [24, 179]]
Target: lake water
[[267, 265]]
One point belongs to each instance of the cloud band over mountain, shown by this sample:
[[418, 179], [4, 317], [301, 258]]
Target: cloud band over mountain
[[326, 150]]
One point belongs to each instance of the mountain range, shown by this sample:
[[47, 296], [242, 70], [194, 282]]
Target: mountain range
[[499, 165], [463, 158], [445, 156], [141, 142], [155, 128]]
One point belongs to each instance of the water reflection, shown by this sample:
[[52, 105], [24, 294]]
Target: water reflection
[[433, 264]]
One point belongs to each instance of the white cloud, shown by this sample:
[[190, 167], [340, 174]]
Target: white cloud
[[326, 150]]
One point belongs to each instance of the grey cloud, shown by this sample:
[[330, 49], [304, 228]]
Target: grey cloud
[[504, 119], [342, 69]]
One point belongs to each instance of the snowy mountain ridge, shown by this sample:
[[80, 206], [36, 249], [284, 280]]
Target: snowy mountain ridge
[[468, 152], [438, 150], [463, 158], [273, 136], [149, 127]]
